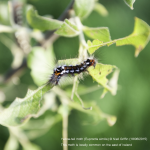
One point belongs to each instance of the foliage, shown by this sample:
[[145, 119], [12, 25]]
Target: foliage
[[36, 48]]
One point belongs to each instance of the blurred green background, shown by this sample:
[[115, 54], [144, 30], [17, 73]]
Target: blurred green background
[[131, 103]]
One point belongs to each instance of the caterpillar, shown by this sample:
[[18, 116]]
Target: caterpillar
[[70, 70]]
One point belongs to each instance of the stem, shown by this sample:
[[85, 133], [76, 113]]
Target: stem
[[83, 46], [65, 131], [82, 53], [75, 85]]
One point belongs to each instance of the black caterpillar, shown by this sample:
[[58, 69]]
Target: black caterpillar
[[65, 70]]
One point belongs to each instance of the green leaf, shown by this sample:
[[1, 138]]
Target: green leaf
[[41, 62], [139, 38], [113, 83], [72, 61], [129, 3], [93, 46], [100, 33], [96, 114], [68, 29], [41, 23], [99, 74], [21, 110], [75, 96], [83, 8], [100, 9]]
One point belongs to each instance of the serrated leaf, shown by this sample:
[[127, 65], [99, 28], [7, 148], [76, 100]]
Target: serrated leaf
[[99, 74], [100, 33], [68, 29], [83, 8], [100, 9], [139, 38], [41, 62], [41, 23], [129, 3], [21, 110]]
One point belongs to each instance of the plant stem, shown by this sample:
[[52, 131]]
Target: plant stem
[[82, 53], [65, 131]]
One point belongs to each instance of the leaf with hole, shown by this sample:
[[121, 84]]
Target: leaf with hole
[[139, 38], [99, 74]]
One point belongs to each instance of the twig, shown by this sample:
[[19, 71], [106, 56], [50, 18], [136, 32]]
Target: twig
[[64, 15], [65, 131]]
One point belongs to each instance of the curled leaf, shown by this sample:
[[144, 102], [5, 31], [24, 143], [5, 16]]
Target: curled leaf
[[41, 23], [83, 8], [100, 9], [129, 3], [68, 29]]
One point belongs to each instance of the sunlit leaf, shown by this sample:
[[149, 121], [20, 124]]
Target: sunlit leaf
[[99, 74], [41, 62], [72, 61], [41, 23], [100, 33], [83, 8], [93, 46], [139, 38], [68, 29], [112, 83], [100, 9], [21, 110], [95, 113], [129, 3]]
